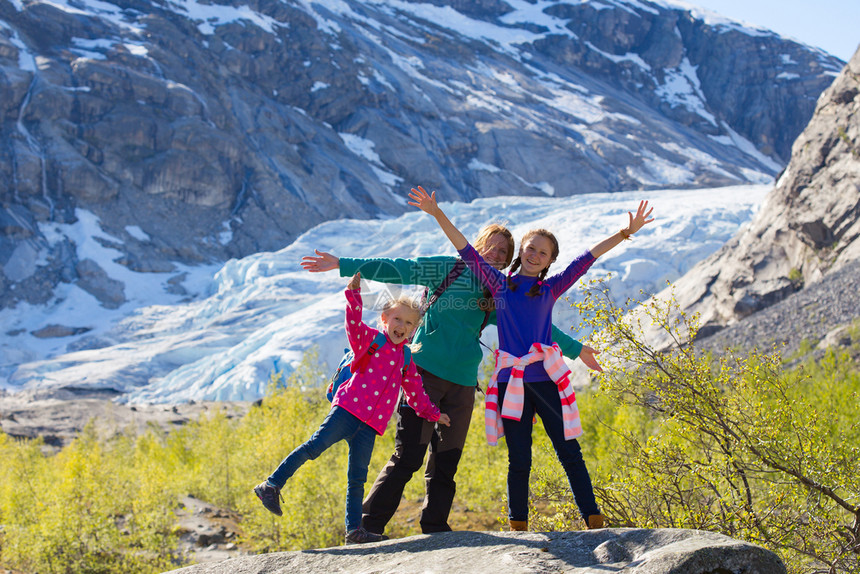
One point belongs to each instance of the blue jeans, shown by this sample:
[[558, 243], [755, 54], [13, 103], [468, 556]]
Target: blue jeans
[[339, 425], [542, 398]]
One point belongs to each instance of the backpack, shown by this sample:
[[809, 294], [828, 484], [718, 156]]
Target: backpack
[[348, 365]]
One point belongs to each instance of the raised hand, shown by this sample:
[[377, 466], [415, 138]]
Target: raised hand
[[424, 201], [635, 224], [640, 219], [427, 203], [587, 357], [355, 282], [322, 262]]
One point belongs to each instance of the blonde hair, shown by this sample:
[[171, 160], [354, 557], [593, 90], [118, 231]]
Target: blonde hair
[[404, 301], [486, 303], [409, 303]]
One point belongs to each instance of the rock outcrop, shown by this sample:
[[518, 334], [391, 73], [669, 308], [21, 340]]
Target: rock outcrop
[[207, 131], [808, 226], [633, 551], [821, 314], [60, 416]]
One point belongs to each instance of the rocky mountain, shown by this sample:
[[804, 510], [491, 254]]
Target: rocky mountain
[[200, 131], [807, 229]]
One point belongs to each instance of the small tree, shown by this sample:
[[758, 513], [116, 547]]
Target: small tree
[[739, 446]]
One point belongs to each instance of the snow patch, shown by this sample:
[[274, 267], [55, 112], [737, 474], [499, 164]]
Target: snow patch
[[628, 57], [26, 59], [365, 148], [748, 148], [681, 87], [136, 232], [476, 165]]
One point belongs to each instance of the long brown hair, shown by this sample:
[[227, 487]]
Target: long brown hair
[[486, 303], [488, 231], [535, 290]]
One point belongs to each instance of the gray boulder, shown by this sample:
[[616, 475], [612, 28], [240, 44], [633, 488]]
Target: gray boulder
[[634, 551]]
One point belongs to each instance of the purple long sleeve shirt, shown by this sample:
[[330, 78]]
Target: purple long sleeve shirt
[[523, 320]]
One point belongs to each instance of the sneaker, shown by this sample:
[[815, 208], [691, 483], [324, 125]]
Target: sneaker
[[362, 536], [269, 496]]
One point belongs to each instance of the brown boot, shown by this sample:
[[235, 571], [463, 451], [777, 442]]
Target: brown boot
[[595, 521], [519, 525]]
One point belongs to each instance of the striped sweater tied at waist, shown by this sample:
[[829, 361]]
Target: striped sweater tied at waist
[[512, 407]]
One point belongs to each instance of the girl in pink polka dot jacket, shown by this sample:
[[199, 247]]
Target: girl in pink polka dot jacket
[[362, 406]]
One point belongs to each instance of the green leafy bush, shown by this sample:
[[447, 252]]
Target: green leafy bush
[[97, 506], [732, 444]]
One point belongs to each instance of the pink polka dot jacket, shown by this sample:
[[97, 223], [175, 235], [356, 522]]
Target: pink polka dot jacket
[[371, 395]]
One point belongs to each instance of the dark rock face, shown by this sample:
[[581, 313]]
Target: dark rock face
[[93, 279], [750, 81], [808, 227], [220, 134]]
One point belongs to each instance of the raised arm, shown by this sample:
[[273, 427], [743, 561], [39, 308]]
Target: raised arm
[[635, 224], [418, 271], [488, 275], [427, 204], [358, 333]]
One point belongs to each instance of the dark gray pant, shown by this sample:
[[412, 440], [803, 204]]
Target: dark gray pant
[[414, 435]]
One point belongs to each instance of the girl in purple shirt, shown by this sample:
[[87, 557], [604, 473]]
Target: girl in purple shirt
[[524, 311]]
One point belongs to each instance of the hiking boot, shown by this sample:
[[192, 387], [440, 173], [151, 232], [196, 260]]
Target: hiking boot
[[269, 496], [595, 521], [362, 536], [519, 525]]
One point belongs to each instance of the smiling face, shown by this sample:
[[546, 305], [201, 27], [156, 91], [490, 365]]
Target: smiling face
[[496, 245], [496, 250], [537, 252], [400, 322]]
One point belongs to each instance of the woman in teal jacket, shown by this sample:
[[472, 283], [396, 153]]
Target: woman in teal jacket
[[448, 355]]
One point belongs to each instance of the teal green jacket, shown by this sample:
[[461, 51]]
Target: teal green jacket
[[448, 335]]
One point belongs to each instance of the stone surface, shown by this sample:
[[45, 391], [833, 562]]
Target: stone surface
[[820, 315], [59, 416], [633, 551]]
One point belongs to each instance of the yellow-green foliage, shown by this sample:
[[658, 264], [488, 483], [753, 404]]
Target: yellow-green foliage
[[108, 504], [735, 444], [94, 507]]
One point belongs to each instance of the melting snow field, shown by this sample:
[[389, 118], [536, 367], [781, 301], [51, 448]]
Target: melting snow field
[[223, 339]]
